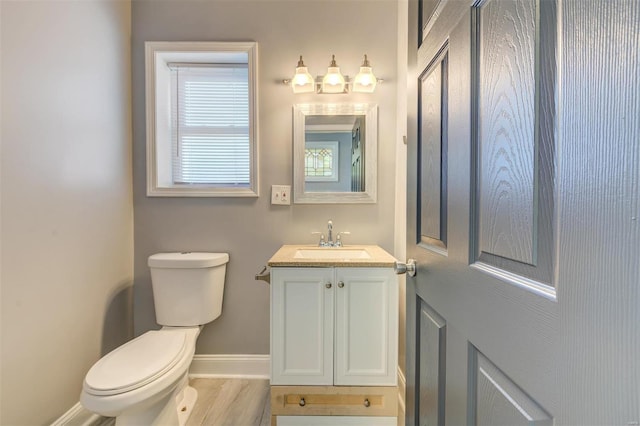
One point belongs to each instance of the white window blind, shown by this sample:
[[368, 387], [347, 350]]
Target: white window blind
[[210, 124]]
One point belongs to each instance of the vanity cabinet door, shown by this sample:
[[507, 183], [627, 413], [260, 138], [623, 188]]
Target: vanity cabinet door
[[302, 304], [366, 328]]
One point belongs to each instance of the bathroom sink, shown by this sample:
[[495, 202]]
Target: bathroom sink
[[301, 255], [331, 253]]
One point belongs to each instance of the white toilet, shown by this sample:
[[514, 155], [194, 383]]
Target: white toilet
[[145, 381]]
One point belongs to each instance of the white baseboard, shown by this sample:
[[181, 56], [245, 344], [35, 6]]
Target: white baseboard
[[402, 388], [230, 366], [78, 416]]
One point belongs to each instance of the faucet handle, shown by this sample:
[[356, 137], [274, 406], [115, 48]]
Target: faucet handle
[[339, 237], [322, 242]]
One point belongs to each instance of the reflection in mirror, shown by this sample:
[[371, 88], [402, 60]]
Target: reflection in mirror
[[335, 153]]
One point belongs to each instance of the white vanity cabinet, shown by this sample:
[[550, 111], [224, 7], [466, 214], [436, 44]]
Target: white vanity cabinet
[[334, 326], [334, 336]]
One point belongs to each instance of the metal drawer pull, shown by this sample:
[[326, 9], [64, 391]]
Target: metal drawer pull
[[328, 285], [302, 402], [366, 402], [340, 284]]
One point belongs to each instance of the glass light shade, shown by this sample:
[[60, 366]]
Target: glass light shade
[[364, 81], [333, 80], [302, 81]]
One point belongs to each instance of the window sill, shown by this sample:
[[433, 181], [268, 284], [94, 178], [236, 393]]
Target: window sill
[[200, 191]]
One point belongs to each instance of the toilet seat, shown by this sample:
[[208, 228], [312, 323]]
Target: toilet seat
[[136, 363]]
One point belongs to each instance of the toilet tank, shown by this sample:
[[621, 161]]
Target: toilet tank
[[187, 287]]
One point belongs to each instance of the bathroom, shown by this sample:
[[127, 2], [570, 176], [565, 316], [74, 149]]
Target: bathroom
[[86, 214], [78, 227]]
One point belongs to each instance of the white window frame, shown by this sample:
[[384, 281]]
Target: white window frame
[[158, 56]]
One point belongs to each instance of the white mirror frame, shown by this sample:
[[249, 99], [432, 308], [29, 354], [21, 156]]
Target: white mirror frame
[[369, 196]]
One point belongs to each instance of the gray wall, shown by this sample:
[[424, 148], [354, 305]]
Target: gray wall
[[67, 211], [251, 230]]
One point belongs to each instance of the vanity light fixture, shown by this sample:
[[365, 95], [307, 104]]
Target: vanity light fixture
[[364, 81], [302, 81], [333, 81]]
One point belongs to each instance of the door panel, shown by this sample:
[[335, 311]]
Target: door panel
[[506, 128], [433, 154], [496, 400], [542, 204], [357, 159], [514, 151], [431, 362]]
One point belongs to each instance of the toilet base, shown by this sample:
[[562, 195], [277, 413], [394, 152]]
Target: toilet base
[[171, 410], [186, 404]]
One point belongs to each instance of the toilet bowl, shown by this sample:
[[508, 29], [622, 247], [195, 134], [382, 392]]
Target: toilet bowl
[[138, 380], [145, 381]]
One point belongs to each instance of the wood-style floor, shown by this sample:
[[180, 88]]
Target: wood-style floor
[[231, 402]]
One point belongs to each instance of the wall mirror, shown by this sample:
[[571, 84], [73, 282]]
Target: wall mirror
[[335, 153]]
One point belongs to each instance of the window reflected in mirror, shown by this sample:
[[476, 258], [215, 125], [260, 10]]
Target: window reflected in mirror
[[321, 160]]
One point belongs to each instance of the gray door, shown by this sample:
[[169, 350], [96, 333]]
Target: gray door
[[523, 212]]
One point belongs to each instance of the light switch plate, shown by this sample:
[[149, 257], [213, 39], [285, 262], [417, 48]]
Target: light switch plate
[[281, 194]]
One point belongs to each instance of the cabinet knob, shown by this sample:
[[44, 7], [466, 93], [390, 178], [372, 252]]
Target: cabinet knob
[[340, 284], [328, 285], [366, 402], [302, 402]]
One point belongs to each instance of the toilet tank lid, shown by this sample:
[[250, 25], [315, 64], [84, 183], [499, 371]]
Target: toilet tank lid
[[187, 260]]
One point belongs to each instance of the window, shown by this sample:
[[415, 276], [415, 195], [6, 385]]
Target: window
[[321, 161], [201, 119], [210, 125]]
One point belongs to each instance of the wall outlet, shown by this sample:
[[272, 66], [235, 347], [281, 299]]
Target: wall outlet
[[281, 194]]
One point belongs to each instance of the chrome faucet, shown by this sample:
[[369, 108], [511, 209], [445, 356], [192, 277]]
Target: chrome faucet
[[329, 241]]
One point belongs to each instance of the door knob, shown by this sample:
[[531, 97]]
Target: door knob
[[408, 268]]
